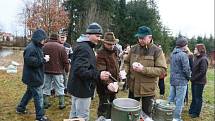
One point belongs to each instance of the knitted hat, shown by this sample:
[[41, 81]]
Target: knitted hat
[[94, 28], [109, 38], [143, 31], [181, 41]]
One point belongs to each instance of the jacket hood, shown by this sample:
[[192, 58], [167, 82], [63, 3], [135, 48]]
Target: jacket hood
[[177, 50], [83, 38], [38, 36]]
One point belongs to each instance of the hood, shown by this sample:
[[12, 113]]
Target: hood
[[83, 38], [38, 36], [177, 50]]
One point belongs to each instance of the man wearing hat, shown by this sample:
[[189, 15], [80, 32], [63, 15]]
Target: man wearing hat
[[144, 64], [106, 59], [180, 73], [83, 74]]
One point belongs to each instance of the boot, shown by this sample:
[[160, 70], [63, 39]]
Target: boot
[[61, 102], [46, 102]]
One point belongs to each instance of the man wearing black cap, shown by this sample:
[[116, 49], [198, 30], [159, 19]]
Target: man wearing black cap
[[144, 64], [81, 84], [180, 73]]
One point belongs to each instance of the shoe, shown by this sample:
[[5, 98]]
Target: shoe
[[44, 118], [21, 112], [193, 116]]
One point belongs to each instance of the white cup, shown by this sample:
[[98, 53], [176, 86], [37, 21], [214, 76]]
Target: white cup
[[122, 74], [47, 57]]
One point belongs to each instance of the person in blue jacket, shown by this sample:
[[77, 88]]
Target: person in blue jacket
[[33, 75]]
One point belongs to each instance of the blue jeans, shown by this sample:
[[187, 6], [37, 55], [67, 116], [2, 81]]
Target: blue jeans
[[80, 108], [177, 95], [196, 104], [57, 84], [35, 93]]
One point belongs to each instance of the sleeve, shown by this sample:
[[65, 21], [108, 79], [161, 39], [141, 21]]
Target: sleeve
[[186, 66], [32, 58], [101, 65]]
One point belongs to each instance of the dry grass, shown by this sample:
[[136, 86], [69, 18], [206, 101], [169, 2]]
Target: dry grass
[[12, 90]]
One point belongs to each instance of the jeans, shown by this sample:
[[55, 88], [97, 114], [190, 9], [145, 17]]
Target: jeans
[[35, 93], [57, 84], [196, 104], [105, 105], [161, 86], [177, 95], [65, 78], [80, 108], [146, 102]]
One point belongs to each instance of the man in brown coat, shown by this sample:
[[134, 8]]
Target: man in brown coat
[[107, 60], [144, 64]]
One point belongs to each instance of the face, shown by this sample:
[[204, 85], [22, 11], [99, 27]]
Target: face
[[42, 42], [196, 52], [109, 46], [145, 40], [62, 39], [95, 38]]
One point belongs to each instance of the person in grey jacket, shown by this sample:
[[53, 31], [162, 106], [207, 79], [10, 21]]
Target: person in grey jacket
[[180, 73]]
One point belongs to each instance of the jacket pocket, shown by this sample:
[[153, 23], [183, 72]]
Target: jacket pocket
[[148, 61], [147, 88]]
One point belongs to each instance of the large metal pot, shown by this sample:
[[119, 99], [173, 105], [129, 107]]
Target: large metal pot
[[125, 109], [163, 110]]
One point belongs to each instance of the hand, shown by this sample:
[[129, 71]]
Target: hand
[[104, 75], [113, 87], [47, 57], [138, 67]]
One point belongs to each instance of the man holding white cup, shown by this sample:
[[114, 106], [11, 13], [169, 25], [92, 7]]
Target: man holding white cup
[[144, 64]]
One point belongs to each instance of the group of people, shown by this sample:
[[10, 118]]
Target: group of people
[[47, 64]]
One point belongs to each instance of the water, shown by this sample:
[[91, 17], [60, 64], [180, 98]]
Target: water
[[5, 52]]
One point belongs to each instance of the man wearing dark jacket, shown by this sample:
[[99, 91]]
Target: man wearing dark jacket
[[83, 76], [54, 70], [33, 75]]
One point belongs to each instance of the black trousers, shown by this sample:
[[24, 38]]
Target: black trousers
[[161, 86], [147, 102], [105, 104]]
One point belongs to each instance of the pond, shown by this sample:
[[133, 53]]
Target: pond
[[5, 52]]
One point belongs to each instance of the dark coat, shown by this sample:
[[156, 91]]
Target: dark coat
[[199, 70], [106, 60], [58, 62], [33, 71], [83, 74]]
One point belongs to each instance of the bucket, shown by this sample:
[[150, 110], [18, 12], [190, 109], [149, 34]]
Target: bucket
[[163, 110], [125, 109]]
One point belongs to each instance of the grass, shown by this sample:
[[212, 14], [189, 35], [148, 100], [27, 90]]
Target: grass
[[12, 90]]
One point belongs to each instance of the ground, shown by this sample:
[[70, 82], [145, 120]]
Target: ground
[[12, 90]]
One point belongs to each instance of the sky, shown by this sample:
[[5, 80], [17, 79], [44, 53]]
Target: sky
[[189, 17]]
